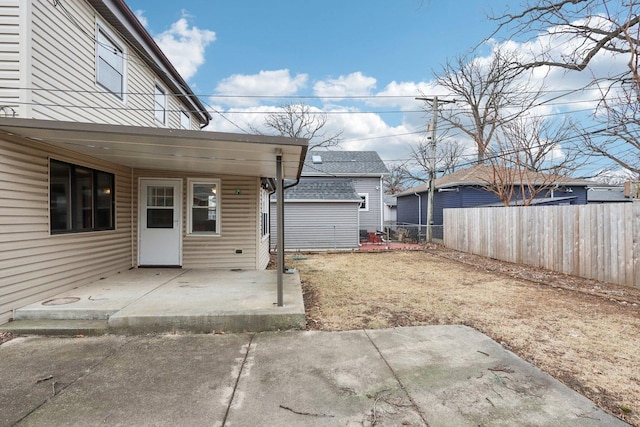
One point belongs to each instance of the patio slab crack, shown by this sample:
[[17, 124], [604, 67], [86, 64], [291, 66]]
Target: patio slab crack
[[414, 405], [235, 386]]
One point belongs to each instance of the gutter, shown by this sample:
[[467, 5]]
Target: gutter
[[419, 209]]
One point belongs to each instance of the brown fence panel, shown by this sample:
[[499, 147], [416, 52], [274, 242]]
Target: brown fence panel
[[594, 241]]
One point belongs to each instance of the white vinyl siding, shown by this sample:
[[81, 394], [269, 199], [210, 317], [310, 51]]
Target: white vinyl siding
[[239, 222], [13, 56], [35, 265], [70, 69], [185, 120], [262, 232], [160, 104], [318, 225]]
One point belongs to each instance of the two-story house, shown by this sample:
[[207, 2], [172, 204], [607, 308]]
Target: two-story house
[[338, 199], [103, 166]]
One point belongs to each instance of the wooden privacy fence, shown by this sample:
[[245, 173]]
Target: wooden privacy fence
[[594, 241]]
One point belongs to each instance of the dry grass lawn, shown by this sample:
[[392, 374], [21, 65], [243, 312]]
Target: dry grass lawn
[[584, 333]]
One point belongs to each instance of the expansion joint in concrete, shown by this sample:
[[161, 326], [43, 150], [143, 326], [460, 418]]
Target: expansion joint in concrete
[[413, 403], [235, 386]]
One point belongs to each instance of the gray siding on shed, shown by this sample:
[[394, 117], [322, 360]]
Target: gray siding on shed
[[315, 225]]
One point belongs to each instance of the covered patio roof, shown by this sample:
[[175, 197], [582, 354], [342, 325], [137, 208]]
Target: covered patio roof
[[168, 149]]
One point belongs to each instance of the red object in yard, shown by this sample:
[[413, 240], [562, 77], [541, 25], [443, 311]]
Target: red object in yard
[[374, 238]]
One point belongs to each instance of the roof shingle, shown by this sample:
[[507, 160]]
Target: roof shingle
[[322, 190], [344, 163]]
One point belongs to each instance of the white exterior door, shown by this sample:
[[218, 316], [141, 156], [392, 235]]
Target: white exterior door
[[160, 222]]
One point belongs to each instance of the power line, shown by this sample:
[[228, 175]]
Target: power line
[[562, 93]]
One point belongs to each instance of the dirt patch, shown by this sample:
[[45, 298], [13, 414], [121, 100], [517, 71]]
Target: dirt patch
[[5, 336], [583, 332]]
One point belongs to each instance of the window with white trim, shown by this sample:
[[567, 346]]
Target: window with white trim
[[110, 63], [204, 207], [185, 120], [364, 204], [160, 104]]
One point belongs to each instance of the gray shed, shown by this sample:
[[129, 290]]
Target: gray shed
[[319, 214]]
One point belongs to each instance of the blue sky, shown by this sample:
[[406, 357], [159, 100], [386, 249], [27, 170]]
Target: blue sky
[[330, 51], [390, 40]]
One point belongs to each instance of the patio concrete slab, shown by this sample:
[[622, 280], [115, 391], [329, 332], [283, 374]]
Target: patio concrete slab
[[100, 299], [431, 375], [159, 381], [319, 379], [153, 300], [458, 376], [34, 370], [208, 301]]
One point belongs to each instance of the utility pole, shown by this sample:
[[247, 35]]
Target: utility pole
[[432, 167]]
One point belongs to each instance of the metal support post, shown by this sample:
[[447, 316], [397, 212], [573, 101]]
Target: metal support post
[[280, 237]]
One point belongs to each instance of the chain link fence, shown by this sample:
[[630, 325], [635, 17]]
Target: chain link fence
[[411, 233]]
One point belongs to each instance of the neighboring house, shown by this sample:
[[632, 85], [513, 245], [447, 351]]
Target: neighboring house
[[390, 210], [466, 188], [102, 163], [607, 194], [322, 213]]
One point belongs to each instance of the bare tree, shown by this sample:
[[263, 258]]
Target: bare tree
[[528, 159], [538, 144], [487, 93], [593, 28], [449, 153], [397, 180], [619, 138], [299, 121], [516, 183]]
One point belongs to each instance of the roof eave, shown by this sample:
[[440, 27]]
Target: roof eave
[[166, 149]]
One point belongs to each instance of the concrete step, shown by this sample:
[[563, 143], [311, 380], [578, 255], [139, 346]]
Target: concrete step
[[56, 327], [206, 323]]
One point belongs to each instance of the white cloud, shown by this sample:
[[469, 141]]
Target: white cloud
[[354, 84], [392, 135], [268, 83], [185, 46], [143, 19]]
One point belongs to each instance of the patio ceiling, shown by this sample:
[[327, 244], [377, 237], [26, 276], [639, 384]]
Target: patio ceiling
[[168, 149]]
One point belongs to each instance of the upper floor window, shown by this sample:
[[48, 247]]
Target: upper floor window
[[160, 104], [110, 64], [185, 120], [80, 198]]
